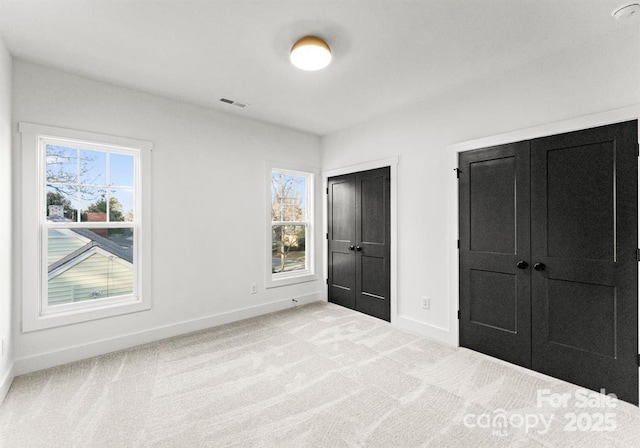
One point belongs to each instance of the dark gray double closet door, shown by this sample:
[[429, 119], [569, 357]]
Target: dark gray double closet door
[[359, 221], [548, 270]]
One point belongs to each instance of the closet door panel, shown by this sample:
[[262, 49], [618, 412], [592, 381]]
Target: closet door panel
[[373, 262], [341, 209], [584, 234], [494, 252]]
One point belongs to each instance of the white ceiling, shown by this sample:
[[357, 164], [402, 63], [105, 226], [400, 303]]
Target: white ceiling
[[387, 53]]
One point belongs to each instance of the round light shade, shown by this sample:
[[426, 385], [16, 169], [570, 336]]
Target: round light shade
[[310, 53], [626, 11]]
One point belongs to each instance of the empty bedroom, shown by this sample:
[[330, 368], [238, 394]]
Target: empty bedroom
[[319, 223]]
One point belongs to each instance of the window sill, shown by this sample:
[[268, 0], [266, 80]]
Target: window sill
[[286, 280], [78, 315]]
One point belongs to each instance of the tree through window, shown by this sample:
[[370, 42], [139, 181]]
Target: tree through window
[[290, 193]]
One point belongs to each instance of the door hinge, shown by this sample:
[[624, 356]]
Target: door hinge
[[327, 281], [637, 254], [458, 244], [638, 359], [458, 314], [458, 171], [638, 149], [327, 236], [327, 190]]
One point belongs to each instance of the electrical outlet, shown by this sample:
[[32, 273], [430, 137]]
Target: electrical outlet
[[426, 302], [254, 288]]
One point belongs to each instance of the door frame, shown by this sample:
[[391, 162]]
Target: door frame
[[392, 163], [575, 124]]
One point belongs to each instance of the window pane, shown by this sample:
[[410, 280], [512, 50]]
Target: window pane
[[85, 264], [121, 205], [62, 165], [288, 248], [121, 167], [288, 197], [62, 203], [93, 206], [93, 167]]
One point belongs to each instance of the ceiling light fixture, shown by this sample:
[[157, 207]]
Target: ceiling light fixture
[[626, 11], [310, 53]]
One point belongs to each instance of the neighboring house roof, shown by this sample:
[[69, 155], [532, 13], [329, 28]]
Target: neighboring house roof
[[126, 253], [69, 259], [95, 241]]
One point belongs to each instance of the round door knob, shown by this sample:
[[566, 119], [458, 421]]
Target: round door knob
[[522, 264], [352, 247], [539, 266], [358, 248]]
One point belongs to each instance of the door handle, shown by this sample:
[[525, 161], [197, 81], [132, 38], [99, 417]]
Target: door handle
[[358, 248], [522, 264], [352, 247], [539, 266]]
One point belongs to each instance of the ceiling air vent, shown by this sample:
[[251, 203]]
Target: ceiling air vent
[[233, 103]]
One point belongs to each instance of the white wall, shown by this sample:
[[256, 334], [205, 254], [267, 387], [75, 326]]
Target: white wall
[[546, 90], [208, 210], [5, 219]]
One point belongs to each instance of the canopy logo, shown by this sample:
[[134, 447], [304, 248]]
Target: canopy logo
[[583, 410], [499, 422]]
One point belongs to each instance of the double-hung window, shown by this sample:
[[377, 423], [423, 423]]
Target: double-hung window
[[291, 222], [89, 220]]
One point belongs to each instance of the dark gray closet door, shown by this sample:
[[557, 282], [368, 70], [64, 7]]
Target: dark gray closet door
[[359, 241], [342, 236], [569, 307], [373, 261], [495, 294], [584, 233]]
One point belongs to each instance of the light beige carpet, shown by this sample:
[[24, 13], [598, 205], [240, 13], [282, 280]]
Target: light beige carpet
[[314, 376]]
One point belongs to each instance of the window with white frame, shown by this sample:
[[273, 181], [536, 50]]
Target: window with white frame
[[90, 225], [291, 211]]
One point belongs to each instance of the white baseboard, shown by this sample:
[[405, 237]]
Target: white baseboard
[[79, 352], [5, 382], [431, 331]]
